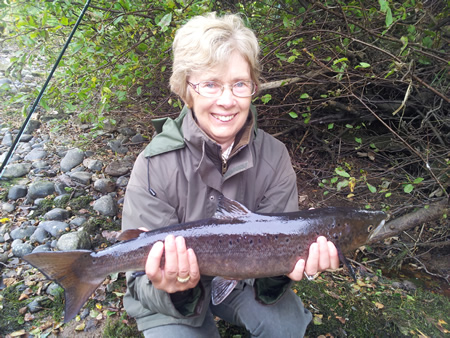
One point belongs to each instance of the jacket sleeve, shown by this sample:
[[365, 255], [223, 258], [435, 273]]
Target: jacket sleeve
[[146, 206], [280, 196]]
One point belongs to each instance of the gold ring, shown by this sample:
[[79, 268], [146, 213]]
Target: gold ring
[[183, 280]]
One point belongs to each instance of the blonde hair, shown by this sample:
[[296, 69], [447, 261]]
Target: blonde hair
[[207, 41]]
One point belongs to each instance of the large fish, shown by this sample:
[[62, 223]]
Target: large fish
[[235, 244]]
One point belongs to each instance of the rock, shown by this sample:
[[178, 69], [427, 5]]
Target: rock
[[21, 249], [23, 232], [72, 158], [74, 241], [94, 165], [39, 164], [26, 138], [16, 170], [57, 214], [122, 181], [7, 139], [42, 248], [126, 131], [17, 191], [39, 236], [106, 206], [41, 189], [138, 138], [119, 168], [32, 126], [54, 290], [78, 221], [8, 207], [55, 228], [36, 154], [81, 177], [104, 185], [36, 304], [117, 147]]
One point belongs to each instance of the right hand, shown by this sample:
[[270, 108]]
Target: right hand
[[179, 262]]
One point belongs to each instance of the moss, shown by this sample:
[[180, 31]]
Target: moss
[[81, 202], [11, 320], [121, 327], [371, 307], [62, 202]]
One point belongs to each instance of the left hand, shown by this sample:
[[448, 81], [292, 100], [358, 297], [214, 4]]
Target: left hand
[[323, 255]]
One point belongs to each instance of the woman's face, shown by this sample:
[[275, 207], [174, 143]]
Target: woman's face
[[221, 118]]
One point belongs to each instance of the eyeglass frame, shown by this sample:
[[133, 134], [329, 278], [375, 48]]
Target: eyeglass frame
[[195, 85]]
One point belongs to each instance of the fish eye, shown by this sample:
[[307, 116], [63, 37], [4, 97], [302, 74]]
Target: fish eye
[[369, 228]]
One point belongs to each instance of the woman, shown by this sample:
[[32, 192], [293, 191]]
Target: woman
[[213, 148]]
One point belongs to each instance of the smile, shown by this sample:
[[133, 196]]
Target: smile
[[223, 118]]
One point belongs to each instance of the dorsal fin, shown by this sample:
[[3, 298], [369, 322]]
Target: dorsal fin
[[229, 209], [130, 234]]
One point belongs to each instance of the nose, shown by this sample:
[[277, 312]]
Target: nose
[[227, 98]]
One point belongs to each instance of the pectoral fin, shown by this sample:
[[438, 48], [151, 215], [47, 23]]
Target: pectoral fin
[[345, 262], [221, 288]]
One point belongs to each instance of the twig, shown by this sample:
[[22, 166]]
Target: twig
[[427, 165]]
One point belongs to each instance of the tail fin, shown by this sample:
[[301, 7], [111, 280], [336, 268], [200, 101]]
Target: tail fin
[[73, 271]]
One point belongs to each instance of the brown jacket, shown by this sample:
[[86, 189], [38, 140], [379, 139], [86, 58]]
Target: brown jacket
[[179, 178]]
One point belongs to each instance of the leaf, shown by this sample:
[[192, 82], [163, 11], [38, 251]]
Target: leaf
[[165, 21], [408, 188], [341, 172], [389, 18], [342, 184], [330, 126], [358, 140], [371, 188], [379, 305], [418, 180], [293, 115], [266, 98], [304, 96]]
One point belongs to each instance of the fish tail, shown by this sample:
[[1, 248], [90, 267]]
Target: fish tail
[[73, 271]]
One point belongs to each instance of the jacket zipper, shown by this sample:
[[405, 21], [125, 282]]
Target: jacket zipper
[[224, 166]]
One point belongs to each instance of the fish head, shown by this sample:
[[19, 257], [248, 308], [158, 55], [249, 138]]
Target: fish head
[[356, 227]]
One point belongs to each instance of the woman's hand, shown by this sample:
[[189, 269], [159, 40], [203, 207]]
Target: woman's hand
[[180, 271], [323, 255]]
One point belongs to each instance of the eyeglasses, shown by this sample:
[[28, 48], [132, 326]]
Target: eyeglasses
[[215, 89]]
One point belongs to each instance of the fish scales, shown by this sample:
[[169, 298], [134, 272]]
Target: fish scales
[[235, 243]]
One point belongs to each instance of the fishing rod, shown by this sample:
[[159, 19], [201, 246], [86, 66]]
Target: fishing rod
[[41, 93]]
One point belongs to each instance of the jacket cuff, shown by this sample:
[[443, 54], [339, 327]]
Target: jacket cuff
[[188, 303], [270, 290]]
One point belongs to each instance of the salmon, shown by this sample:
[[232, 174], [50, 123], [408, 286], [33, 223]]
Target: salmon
[[234, 244]]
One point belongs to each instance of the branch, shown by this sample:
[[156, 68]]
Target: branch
[[410, 220]]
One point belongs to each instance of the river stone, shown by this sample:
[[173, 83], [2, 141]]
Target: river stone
[[72, 158], [21, 249], [8, 207], [82, 177], [17, 191], [23, 232], [78, 221], [42, 248], [41, 189], [54, 290], [35, 154], [16, 170], [26, 138], [122, 181], [39, 236], [138, 138], [119, 168], [104, 185], [40, 164], [36, 304], [106, 206], [92, 164], [117, 147], [77, 240], [55, 228], [7, 139], [57, 214], [32, 126]]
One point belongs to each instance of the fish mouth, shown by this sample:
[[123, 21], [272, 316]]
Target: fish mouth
[[378, 230]]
